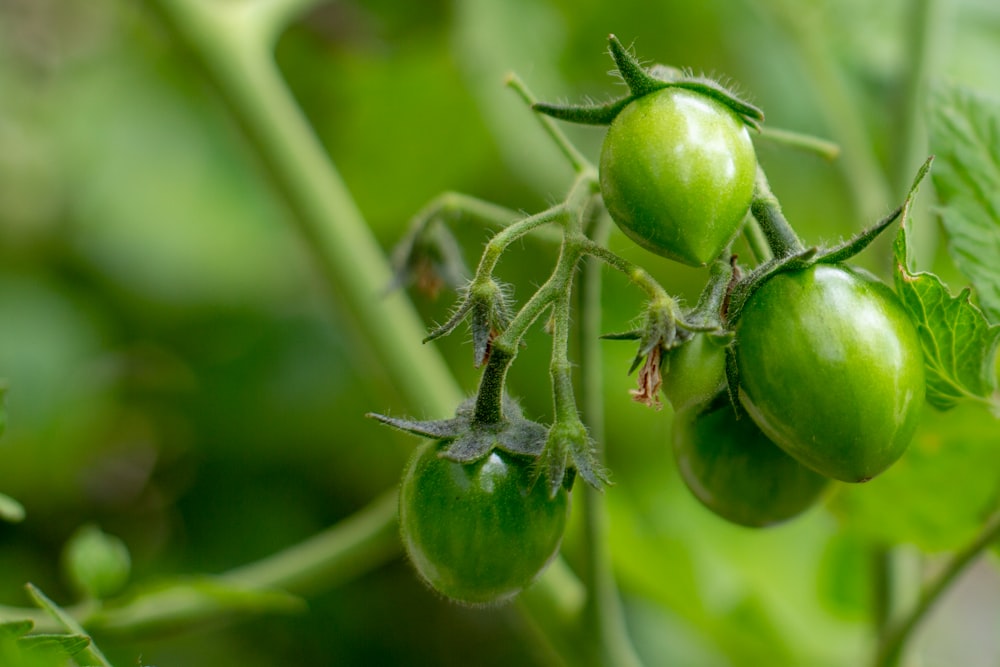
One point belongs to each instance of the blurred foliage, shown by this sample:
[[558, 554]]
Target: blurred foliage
[[175, 377]]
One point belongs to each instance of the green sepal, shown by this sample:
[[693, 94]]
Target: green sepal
[[489, 306], [584, 114], [642, 81], [751, 114], [662, 328], [459, 314], [569, 450], [854, 245], [468, 441], [439, 429], [639, 81]]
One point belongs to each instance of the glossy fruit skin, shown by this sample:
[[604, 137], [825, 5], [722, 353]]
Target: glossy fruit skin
[[695, 372], [737, 472], [677, 174], [831, 369], [478, 533]]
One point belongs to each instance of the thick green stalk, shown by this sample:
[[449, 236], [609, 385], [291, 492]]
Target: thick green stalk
[[781, 238], [343, 247]]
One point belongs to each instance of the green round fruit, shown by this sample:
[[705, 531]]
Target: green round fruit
[[695, 372], [831, 369], [735, 471], [478, 533], [677, 174]]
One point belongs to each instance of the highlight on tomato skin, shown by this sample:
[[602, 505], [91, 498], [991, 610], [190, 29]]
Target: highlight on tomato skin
[[677, 174], [478, 533], [831, 369], [735, 471]]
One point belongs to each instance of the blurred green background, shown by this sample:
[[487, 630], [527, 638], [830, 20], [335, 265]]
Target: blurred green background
[[177, 376]]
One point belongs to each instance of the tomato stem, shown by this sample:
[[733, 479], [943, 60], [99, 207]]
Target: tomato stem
[[450, 206], [781, 238], [576, 159], [827, 150], [489, 398]]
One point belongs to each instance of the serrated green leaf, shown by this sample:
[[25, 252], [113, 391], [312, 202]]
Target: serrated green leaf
[[959, 344], [965, 135], [88, 655]]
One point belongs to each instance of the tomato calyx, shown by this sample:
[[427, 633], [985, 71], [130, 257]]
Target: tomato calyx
[[569, 450], [488, 303], [642, 81], [467, 440], [666, 329], [560, 451]]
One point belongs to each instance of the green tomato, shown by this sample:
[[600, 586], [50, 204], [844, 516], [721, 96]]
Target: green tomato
[[478, 533], [735, 471], [677, 174], [831, 369], [695, 372]]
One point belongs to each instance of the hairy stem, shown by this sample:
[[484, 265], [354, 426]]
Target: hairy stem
[[502, 239], [635, 273], [560, 369], [457, 206]]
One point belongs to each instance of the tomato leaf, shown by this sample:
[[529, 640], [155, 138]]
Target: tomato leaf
[[959, 343], [965, 135]]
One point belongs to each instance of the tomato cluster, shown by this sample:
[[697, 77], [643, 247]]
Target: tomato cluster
[[815, 374], [827, 365]]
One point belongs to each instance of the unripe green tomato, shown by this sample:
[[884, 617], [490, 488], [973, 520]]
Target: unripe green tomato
[[478, 533], [735, 471], [677, 174], [831, 369], [695, 372]]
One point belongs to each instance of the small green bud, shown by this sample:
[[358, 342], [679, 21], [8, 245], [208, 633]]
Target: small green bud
[[96, 564]]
